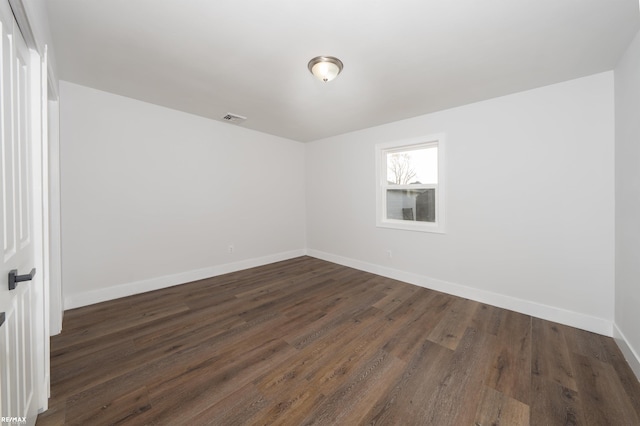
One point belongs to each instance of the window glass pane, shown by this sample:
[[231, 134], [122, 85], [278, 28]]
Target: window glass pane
[[412, 204], [413, 166]]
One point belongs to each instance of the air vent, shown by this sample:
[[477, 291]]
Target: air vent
[[234, 118]]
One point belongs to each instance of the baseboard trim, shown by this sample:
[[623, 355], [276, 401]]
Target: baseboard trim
[[550, 313], [78, 300], [633, 359]]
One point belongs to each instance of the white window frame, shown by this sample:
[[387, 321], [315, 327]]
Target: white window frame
[[382, 185]]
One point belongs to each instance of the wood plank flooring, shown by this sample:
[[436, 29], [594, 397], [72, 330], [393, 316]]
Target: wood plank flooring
[[307, 342]]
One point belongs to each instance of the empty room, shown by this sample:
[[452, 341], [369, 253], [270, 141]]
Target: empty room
[[329, 213]]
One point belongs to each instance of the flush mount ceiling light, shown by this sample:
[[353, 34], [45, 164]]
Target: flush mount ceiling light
[[325, 68]]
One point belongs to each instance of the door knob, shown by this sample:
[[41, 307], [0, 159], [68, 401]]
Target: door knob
[[14, 278]]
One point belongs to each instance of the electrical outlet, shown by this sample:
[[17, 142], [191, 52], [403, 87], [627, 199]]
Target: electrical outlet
[[389, 254], [230, 248]]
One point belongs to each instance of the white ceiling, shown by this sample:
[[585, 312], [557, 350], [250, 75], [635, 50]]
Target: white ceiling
[[402, 58]]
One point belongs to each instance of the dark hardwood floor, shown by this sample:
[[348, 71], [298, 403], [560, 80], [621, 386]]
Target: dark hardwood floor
[[306, 342]]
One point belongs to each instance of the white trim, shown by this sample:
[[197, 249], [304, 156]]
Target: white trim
[[128, 289], [56, 302], [22, 19], [551, 313], [632, 358], [39, 213]]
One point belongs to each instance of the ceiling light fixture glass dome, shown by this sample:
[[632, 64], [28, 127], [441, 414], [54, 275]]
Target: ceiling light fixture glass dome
[[325, 68]]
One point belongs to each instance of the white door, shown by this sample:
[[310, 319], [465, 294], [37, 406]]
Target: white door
[[21, 348]]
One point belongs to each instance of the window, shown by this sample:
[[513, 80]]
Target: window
[[410, 193]]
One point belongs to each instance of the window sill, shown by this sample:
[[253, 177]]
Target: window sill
[[405, 225]]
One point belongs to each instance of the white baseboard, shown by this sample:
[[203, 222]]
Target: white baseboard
[[633, 359], [551, 313], [78, 300]]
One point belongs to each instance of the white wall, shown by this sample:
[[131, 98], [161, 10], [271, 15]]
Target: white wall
[[530, 203], [627, 296], [153, 197]]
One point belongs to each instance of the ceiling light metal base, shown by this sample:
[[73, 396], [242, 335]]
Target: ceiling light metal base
[[325, 68]]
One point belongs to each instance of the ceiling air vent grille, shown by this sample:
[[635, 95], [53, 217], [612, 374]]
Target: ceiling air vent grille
[[234, 118]]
